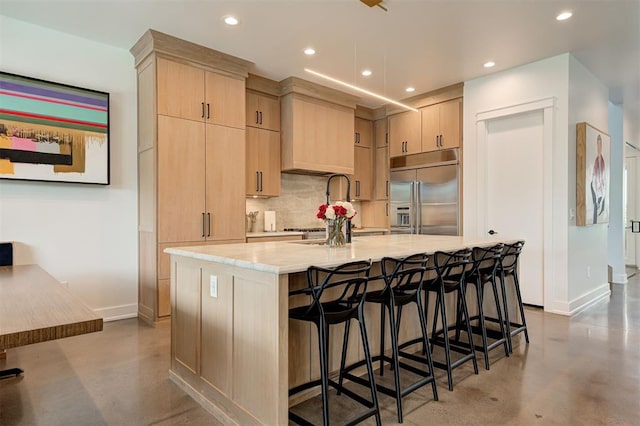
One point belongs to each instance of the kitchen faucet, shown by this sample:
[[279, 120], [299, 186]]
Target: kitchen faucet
[[348, 224]]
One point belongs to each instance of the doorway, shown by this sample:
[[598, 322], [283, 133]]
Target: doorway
[[630, 204], [515, 146]]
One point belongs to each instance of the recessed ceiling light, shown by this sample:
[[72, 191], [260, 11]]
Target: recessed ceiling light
[[309, 51], [489, 64], [564, 16], [366, 73], [230, 20], [410, 89]]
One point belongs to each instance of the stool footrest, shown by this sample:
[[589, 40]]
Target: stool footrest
[[11, 372]]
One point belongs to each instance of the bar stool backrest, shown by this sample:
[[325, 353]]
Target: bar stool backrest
[[348, 284], [404, 275], [453, 264], [486, 259], [510, 254]]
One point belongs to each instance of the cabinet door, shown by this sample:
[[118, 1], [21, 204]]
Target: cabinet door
[[450, 113], [180, 90], [263, 162], [380, 133], [263, 111], [364, 133], [181, 181], [225, 182], [404, 134], [362, 166], [224, 98], [430, 128], [381, 174]]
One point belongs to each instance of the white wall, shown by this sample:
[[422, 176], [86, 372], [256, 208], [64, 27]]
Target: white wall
[[82, 234], [537, 81], [588, 273], [616, 226]]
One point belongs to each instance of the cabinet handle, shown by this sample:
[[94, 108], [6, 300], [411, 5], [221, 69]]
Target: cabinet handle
[[357, 188], [441, 144], [257, 117], [386, 188], [386, 205], [386, 138], [202, 224], [203, 117], [257, 181], [208, 111], [260, 181], [209, 220], [260, 117]]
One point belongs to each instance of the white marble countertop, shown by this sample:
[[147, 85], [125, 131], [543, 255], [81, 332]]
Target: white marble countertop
[[296, 256], [365, 230]]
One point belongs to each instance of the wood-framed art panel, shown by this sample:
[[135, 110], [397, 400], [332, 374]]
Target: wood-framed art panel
[[53, 132], [593, 162]]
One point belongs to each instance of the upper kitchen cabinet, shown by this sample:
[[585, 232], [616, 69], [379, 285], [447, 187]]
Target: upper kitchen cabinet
[[441, 125], [263, 111], [263, 163], [404, 134], [317, 128], [380, 133], [363, 133], [192, 93], [191, 156]]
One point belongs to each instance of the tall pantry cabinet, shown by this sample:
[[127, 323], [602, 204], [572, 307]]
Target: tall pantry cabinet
[[191, 156]]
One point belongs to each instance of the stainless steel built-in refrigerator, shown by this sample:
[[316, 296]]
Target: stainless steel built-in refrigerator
[[424, 198]]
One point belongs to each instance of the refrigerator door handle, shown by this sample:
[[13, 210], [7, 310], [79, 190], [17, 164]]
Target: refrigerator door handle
[[412, 203], [418, 208]]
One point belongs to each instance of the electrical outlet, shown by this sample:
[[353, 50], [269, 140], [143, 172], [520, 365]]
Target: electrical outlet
[[213, 286]]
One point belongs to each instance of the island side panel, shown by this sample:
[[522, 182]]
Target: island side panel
[[230, 352]]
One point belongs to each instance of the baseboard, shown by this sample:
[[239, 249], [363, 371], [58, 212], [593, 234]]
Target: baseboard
[[114, 313], [583, 302]]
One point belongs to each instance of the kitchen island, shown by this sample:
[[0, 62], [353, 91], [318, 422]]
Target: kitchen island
[[233, 348]]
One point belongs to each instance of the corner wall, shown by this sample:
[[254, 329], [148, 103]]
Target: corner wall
[[83, 234], [588, 274]]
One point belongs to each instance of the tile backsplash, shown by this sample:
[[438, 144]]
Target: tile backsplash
[[298, 204]]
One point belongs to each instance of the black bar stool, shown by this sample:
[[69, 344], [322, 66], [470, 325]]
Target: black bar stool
[[508, 267], [451, 269], [342, 303], [485, 264], [403, 280]]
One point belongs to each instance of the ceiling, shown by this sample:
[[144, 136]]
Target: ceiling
[[426, 44]]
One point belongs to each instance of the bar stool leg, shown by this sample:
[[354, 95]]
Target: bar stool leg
[[395, 355], [483, 328], [367, 356], [343, 358], [323, 334], [500, 320], [463, 291], [505, 307], [445, 332], [425, 338], [382, 333], [524, 321]]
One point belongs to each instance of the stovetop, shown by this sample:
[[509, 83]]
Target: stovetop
[[304, 229]]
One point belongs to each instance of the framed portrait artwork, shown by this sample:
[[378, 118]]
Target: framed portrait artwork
[[53, 132], [593, 161]]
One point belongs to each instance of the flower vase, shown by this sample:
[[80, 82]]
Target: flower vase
[[335, 233]]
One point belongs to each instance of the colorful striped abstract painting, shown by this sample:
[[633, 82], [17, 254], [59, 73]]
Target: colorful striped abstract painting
[[53, 132]]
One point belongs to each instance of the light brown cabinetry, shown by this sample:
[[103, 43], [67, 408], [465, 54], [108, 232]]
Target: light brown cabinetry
[[362, 175], [441, 125], [381, 174], [363, 133], [404, 134], [380, 133], [263, 111], [316, 133], [191, 156], [263, 162], [190, 92]]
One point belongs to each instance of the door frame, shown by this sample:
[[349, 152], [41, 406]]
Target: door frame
[[545, 105]]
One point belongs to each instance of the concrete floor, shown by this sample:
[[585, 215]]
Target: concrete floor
[[583, 370]]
